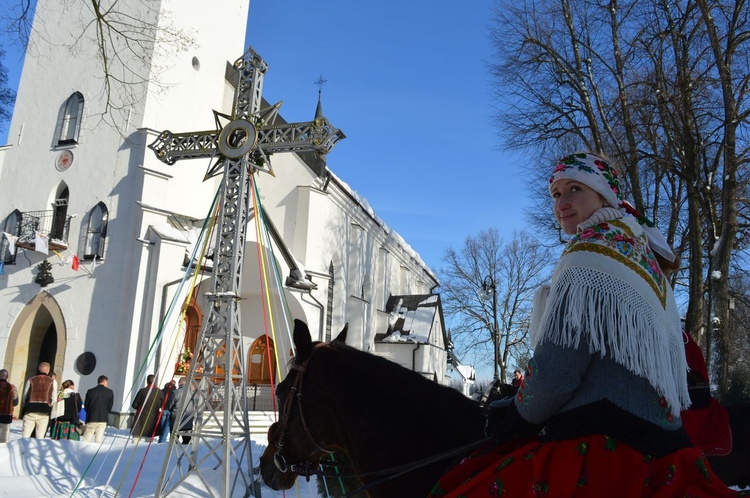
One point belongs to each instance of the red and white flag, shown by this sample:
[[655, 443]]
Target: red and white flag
[[41, 243]]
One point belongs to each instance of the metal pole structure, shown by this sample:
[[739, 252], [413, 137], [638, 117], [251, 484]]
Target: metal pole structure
[[219, 448], [495, 331], [489, 286]]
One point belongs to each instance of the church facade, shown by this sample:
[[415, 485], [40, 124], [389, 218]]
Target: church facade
[[105, 267]]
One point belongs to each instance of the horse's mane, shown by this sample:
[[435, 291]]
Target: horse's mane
[[368, 375]]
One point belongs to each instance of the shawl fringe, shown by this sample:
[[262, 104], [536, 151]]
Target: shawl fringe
[[617, 315]]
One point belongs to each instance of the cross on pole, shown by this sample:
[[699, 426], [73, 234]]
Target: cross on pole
[[220, 444], [320, 82]]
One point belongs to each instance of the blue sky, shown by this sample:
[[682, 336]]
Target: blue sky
[[408, 83]]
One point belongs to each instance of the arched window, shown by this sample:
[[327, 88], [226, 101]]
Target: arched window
[[69, 121], [356, 267], [97, 232], [12, 226], [261, 361], [60, 214]]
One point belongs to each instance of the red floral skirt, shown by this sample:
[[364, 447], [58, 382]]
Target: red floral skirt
[[588, 467], [65, 430]]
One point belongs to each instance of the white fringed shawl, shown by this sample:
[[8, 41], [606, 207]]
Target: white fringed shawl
[[609, 292]]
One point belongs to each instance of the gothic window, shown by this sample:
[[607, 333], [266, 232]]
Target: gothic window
[[262, 361], [69, 121], [383, 281], [12, 226], [60, 214], [97, 232], [357, 262]]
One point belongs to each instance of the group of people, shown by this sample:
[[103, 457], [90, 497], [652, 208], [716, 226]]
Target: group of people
[[157, 410], [598, 410], [59, 411]]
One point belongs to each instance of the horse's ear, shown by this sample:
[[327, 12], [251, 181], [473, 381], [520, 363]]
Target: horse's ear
[[342, 335], [302, 340]]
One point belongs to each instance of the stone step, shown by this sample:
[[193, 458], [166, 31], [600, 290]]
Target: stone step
[[258, 422]]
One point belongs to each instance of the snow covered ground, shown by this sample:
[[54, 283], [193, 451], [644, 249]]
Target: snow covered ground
[[35, 468], [32, 468]]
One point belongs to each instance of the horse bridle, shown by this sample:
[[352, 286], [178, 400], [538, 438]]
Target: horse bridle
[[306, 468]]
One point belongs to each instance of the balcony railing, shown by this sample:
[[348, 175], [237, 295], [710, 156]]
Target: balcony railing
[[54, 224]]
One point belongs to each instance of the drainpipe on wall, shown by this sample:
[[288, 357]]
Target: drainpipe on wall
[[322, 315], [414, 357], [321, 331]]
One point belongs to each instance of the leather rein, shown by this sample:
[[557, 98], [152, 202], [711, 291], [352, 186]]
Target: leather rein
[[306, 469]]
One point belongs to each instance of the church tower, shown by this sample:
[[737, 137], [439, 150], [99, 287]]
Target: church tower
[[78, 177]]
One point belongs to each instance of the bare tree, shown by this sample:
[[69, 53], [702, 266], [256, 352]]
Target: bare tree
[[129, 37], [516, 268], [659, 86]]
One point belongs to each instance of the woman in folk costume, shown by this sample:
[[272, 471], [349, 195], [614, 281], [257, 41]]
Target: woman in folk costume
[[66, 410], [607, 379]]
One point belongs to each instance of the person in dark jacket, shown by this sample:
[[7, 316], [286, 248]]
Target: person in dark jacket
[[164, 425], [148, 403], [186, 423], [99, 402], [68, 404], [8, 400], [38, 396]]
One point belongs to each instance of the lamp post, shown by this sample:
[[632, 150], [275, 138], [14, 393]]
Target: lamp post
[[489, 289]]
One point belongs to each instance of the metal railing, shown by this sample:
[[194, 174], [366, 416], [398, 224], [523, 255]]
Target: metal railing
[[54, 224], [259, 397]]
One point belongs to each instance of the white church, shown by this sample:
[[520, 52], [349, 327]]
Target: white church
[[107, 261]]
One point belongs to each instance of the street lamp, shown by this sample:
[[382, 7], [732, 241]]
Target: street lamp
[[489, 289]]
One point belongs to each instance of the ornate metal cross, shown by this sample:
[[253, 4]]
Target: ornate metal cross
[[218, 373]]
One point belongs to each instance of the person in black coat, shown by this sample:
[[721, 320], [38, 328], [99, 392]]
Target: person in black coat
[[148, 405], [99, 402]]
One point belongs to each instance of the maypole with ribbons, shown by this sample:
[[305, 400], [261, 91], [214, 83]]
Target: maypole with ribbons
[[219, 448]]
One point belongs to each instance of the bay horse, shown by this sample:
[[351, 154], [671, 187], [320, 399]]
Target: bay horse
[[382, 415]]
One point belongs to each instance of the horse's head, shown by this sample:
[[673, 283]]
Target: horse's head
[[298, 441]]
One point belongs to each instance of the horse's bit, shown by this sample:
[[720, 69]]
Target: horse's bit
[[305, 469]]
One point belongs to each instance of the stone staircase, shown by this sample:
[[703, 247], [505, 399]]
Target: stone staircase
[[258, 422]]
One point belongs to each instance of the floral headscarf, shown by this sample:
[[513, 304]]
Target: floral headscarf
[[597, 173]]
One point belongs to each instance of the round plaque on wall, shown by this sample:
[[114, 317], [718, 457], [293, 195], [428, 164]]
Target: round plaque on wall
[[64, 160], [85, 363]]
